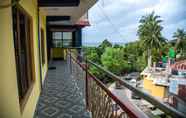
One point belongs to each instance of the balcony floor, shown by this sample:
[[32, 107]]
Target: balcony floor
[[61, 96]]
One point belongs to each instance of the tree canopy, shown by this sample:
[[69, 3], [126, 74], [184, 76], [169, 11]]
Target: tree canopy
[[180, 37], [149, 31], [112, 59]]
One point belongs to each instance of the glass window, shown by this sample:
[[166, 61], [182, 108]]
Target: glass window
[[57, 35], [67, 39], [62, 39], [67, 35]]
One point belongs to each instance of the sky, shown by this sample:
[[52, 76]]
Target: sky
[[118, 20]]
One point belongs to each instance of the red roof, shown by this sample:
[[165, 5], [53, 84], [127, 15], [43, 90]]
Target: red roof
[[180, 65], [83, 23]]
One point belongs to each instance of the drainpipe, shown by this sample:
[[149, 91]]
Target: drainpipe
[[39, 51]]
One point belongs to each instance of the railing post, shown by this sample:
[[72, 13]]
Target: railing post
[[70, 61], [86, 84]]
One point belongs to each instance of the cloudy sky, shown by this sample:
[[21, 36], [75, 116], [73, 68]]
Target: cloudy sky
[[117, 20]]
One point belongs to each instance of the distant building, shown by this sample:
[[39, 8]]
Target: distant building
[[169, 87], [177, 93], [155, 83]]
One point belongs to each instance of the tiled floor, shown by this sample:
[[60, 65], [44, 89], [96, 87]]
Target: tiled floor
[[61, 96]]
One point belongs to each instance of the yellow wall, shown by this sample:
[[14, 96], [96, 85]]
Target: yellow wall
[[43, 26], [147, 84], [158, 91], [154, 90], [57, 53], [9, 101]]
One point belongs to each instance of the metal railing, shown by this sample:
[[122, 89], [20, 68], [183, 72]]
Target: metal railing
[[102, 102]]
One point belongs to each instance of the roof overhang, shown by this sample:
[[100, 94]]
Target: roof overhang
[[58, 3], [83, 23], [73, 12]]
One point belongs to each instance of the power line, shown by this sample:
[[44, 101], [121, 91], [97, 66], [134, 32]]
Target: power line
[[103, 3], [109, 20]]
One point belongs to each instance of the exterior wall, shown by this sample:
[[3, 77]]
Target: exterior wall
[[158, 91], [57, 53], [9, 103], [147, 84], [43, 26], [9, 99], [154, 90]]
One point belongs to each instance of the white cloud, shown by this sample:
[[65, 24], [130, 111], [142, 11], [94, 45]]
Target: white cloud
[[125, 15]]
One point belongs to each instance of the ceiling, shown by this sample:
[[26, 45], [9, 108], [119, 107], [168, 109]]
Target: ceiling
[[58, 3], [74, 12]]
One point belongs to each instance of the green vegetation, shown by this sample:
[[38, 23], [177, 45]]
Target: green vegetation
[[117, 59], [180, 37], [112, 59], [135, 56], [149, 32]]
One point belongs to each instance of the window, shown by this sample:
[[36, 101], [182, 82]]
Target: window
[[43, 46], [67, 39], [57, 39], [22, 28], [62, 39]]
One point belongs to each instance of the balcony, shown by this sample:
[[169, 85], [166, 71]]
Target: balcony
[[61, 96], [71, 91]]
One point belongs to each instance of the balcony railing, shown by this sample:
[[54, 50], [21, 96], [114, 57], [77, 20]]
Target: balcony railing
[[104, 103]]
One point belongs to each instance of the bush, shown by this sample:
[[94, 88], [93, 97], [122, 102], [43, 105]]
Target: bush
[[112, 59]]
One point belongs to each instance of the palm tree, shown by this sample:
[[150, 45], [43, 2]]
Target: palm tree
[[180, 37], [149, 32]]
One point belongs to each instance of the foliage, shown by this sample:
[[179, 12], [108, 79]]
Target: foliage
[[141, 63], [101, 48], [93, 56], [117, 46], [130, 58], [180, 37], [149, 31], [113, 61]]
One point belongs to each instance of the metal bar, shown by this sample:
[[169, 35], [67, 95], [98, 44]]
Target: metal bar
[[70, 62], [129, 108], [86, 85], [164, 107], [72, 47]]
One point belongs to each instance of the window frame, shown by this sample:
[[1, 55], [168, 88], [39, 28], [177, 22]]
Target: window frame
[[61, 40], [29, 60], [43, 46]]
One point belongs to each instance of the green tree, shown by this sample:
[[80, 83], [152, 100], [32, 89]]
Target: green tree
[[117, 46], [93, 56], [141, 63], [112, 59], [101, 48], [149, 32], [180, 37]]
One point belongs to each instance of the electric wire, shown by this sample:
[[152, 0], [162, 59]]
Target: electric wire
[[110, 21]]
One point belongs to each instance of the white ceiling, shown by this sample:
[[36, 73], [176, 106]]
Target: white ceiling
[[75, 13]]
